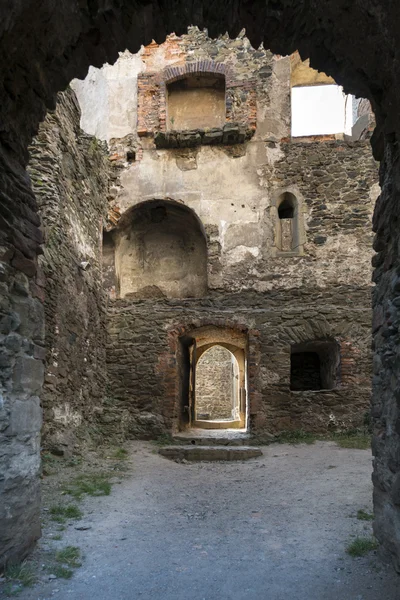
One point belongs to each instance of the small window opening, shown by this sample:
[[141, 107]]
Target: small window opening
[[314, 366], [131, 156], [287, 226], [286, 208]]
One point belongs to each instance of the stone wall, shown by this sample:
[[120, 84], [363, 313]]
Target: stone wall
[[332, 185], [143, 352], [69, 173], [334, 182], [21, 362]]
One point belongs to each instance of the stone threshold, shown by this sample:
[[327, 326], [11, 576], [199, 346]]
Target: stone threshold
[[210, 453]]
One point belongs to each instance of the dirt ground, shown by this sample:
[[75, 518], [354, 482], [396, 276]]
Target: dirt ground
[[273, 528]]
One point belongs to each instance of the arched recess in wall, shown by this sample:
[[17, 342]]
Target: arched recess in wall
[[196, 101], [288, 219], [160, 250]]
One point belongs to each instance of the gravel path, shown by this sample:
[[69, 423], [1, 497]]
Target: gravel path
[[273, 528]]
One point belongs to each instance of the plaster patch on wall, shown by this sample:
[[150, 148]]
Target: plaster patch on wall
[[65, 415], [241, 254]]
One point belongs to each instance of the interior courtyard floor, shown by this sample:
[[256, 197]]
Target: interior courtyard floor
[[273, 528]]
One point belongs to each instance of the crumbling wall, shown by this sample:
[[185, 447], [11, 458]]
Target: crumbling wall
[[332, 182], [69, 173], [44, 46]]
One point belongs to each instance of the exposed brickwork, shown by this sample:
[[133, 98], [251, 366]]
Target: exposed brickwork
[[217, 56]]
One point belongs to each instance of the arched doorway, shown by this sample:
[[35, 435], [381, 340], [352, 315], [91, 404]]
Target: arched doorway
[[213, 379], [218, 390]]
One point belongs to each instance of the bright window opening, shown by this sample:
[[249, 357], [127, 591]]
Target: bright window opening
[[321, 110]]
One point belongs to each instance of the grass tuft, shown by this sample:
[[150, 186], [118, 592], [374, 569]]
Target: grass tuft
[[69, 556], [120, 454], [62, 572], [92, 484], [297, 436], [362, 515], [163, 440], [23, 574], [61, 513], [357, 441], [361, 546]]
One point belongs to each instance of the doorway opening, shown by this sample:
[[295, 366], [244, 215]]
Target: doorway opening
[[213, 379]]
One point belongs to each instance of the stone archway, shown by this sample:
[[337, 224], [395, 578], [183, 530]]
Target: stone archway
[[41, 50]]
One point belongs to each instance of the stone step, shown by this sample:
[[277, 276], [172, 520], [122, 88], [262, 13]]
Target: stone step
[[212, 438], [210, 453]]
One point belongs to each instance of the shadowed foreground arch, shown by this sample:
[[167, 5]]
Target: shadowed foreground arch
[[42, 47]]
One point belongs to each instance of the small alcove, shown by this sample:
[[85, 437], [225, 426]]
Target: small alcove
[[196, 102], [288, 226], [314, 365]]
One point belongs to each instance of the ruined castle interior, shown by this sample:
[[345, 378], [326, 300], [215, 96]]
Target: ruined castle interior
[[183, 245]]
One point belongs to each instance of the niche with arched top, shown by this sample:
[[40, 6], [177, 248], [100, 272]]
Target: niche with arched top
[[196, 102], [289, 226], [161, 251]]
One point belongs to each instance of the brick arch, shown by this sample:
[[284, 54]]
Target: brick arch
[[199, 67]]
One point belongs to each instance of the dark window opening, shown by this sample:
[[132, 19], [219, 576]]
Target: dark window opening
[[305, 371], [286, 208], [314, 366], [131, 156]]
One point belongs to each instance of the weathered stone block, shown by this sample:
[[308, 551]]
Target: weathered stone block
[[26, 417], [28, 376]]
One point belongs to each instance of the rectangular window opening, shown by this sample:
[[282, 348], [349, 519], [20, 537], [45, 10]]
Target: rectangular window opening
[[321, 110], [314, 366]]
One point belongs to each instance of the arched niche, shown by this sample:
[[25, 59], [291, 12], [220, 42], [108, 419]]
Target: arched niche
[[161, 251], [287, 214], [196, 101]]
